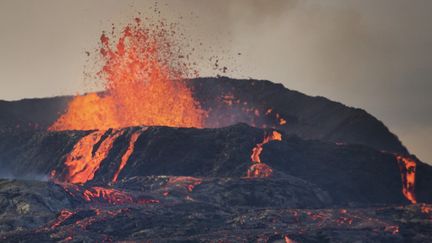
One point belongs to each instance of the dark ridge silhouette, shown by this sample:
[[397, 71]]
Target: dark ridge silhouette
[[307, 117]]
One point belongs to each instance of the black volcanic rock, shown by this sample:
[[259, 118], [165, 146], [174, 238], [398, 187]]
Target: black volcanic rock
[[366, 175], [194, 220], [29, 114], [307, 117], [349, 173], [284, 192], [20, 158], [29, 204]]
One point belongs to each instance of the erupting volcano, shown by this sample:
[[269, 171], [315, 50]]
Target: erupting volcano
[[144, 85], [157, 156]]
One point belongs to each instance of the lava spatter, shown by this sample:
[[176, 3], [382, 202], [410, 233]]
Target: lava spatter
[[259, 169], [236, 110]]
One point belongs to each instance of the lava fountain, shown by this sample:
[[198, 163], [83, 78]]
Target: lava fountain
[[144, 84]]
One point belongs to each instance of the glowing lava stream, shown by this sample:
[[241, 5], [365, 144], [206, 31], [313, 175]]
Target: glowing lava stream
[[258, 168], [85, 158], [408, 172], [83, 162], [128, 153], [113, 196]]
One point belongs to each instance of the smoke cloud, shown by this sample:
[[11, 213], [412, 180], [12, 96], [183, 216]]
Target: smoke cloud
[[28, 177]]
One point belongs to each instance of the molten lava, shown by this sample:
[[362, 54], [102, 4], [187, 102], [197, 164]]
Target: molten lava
[[143, 79], [84, 160], [259, 169], [257, 150], [127, 154], [408, 172], [63, 216], [112, 196]]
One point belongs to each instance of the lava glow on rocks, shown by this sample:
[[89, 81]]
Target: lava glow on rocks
[[408, 172]]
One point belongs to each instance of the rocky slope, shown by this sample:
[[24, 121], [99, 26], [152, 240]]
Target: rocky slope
[[273, 165], [349, 173]]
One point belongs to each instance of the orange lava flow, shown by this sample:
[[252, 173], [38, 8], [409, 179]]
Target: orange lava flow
[[259, 169], [83, 162], [408, 172], [63, 216], [256, 152], [143, 79], [111, 196], [127, 154], [426, 209]]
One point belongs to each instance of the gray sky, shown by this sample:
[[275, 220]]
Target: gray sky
[[372, 54]]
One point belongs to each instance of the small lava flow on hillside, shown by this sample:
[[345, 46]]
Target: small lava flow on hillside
[[158, 157]]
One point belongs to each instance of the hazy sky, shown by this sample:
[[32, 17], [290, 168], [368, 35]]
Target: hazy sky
[[372, 54]]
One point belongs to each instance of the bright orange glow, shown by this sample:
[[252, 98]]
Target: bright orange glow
[[408, 172], [82, 163], [127, 154], [426, 209], [111, 196], [257, 150], [143, 82], [259, 169], [269, 110]]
